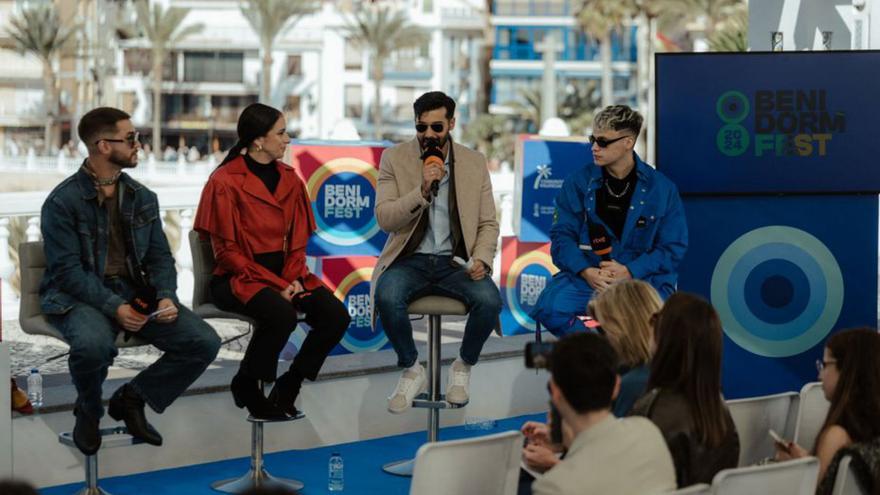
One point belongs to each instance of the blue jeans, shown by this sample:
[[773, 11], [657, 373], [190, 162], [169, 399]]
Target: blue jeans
[[189, 346], [565, 297], [420, 275]]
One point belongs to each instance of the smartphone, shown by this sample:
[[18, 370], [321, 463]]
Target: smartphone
[[156, 313], [778, 439]]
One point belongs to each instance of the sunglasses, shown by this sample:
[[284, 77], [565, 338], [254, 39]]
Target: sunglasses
[[436, 127], [605, 142], [130, 139]]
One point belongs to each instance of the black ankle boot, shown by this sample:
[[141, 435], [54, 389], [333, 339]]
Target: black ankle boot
[[246, 393], [285, 392], [126, 405], [86, 432]]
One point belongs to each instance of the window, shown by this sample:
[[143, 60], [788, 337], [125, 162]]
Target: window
[[213, 67], [354, 101], [294, 65], [354, 55]]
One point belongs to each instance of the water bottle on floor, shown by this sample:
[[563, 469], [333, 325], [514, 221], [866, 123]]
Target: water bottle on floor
[[35, 388], [336, 477]]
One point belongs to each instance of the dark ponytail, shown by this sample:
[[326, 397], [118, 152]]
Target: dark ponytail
[[255, 121]]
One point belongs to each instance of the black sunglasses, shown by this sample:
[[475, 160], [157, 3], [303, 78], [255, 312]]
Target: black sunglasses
[[604, 142], [436, 127], [130, 139]]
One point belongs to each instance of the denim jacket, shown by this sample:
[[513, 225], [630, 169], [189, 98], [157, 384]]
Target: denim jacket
[[75, 242], [654, 238]]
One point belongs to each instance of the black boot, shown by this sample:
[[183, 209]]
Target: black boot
[[285, 392], [246, 393], [126, 405], [86, 432]]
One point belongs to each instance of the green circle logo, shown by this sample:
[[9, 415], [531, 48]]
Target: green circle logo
[[732, 140], [732, 107]]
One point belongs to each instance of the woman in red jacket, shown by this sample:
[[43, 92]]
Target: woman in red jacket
[[259, 218]]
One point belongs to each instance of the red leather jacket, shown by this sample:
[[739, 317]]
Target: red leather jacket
[[242, 219]]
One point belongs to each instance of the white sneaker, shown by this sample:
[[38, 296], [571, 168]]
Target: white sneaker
[[412, 382], [459, 381]]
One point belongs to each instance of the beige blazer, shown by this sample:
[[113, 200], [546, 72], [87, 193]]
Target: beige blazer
[[399, 203]]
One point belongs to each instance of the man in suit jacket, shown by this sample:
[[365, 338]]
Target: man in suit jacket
[[428, 229], [626, 456]]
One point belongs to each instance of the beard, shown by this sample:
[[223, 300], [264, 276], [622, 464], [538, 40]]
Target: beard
[[123, 160], [440, 142]]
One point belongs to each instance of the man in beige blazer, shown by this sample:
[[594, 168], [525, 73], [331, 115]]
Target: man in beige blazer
[[427, 231]]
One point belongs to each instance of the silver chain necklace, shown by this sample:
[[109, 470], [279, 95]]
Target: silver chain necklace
[[614, 194]]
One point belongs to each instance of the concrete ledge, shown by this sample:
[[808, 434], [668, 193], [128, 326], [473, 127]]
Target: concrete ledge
[[59, 393]]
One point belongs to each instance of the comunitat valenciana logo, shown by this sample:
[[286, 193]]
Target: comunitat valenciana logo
[[786, 122]]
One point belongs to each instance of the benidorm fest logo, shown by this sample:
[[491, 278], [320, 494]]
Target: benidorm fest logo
[[786, 122], [343, 193], [354, 291], [526, 279]]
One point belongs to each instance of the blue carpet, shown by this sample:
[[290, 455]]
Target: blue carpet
[[363, 462]]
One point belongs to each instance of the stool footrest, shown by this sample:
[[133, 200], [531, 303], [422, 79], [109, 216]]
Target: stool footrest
[[423, 401], [116, 436], [299, 415]]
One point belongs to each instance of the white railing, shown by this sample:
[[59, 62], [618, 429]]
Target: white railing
[[178, 205]]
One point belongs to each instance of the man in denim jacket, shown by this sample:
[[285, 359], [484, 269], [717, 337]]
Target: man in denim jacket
[[105, 248], [616, 202]]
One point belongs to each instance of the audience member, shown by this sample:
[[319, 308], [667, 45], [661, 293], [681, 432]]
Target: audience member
[[605, 454], [850, 375], [624, 312], [16, 487], [684, 398]]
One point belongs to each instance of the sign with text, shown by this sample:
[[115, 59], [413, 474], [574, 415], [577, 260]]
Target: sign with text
[[526, 269], [341, 182], [541, 168], [791, 122]]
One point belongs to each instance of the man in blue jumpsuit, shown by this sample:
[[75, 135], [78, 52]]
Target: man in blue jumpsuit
[[617, 200]]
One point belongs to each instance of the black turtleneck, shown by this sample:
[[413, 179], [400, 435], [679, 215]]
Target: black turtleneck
[[267, 172]]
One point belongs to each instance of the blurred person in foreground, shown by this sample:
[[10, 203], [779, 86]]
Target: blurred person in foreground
[[605, 455]]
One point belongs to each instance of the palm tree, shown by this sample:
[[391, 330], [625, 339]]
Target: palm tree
[[731, 35], [712, 12], [38, 31], [269, 18], [575, 106], [164, 29], [599, 19], [382, 30], [484, 92]]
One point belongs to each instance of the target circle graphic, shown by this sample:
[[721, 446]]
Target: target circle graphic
[[732, 107], [778, 291]]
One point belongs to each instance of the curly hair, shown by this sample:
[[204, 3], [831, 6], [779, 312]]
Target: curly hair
[[618, 118]]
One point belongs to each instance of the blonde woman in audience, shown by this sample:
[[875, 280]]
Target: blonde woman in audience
[[684, 398], [624, 312], [850, 375]]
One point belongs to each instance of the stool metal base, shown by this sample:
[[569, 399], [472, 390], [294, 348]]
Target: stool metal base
[[400, 468], [92, 491], [116, 436], [253, 479]]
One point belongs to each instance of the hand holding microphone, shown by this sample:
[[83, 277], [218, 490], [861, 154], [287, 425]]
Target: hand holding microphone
[[432, 167]]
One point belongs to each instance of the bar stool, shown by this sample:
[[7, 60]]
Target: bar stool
[[34, 322], [257, 476], [434, 307]]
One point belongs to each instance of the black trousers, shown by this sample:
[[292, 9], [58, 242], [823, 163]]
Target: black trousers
[[277, 319]]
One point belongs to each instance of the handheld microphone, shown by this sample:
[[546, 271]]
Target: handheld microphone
[[433, 156], [599, 241]]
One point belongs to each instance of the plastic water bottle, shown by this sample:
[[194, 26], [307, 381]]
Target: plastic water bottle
[[336, 477], [35, 388]]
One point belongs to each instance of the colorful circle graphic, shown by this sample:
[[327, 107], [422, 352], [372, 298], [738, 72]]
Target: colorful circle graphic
[[778, 291], [359, 337], [537, 264], [343, 193]]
